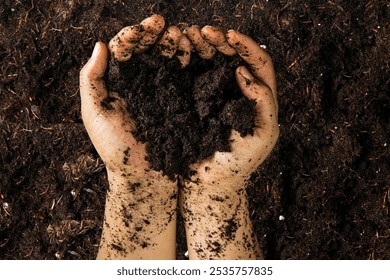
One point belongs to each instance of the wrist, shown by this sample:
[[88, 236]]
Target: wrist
[[140, 218], [206, 192], [215, 180], [125, 179], [155, 194], [203, 201], [221, 215]]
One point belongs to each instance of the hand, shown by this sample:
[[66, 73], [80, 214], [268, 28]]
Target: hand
[[104, 114], [231, 169], [140, 214], [214, 202], [108, 124]]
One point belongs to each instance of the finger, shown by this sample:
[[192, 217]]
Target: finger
[[169, 41], [256, 90], [151, 28], [266, 130], [184, 50], [259, 61], [92, 87], [123, 44], [205, 50], [216, 37]]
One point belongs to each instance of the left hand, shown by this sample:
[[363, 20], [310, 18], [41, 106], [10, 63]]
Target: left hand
[[105, 115], [140, 209]]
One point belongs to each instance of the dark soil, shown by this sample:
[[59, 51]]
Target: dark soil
[[184, 115], [324, 192]]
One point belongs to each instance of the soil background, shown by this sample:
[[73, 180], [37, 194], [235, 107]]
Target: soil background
[[324, 193]]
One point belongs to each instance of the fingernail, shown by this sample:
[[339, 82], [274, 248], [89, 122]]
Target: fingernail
[[245, 74], [96, 50], [230, 32]]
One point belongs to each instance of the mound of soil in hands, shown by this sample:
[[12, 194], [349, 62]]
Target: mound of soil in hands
[[184, 115]]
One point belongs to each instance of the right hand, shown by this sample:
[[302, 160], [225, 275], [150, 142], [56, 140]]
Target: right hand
[[231, 169]]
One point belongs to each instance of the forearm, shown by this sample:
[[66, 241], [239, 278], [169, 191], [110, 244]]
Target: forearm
[[140, 220], [218, 224]]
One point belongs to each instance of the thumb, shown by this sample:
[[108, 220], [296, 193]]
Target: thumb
[[92, 87], [266, 129], [252, 88], [248, 84]]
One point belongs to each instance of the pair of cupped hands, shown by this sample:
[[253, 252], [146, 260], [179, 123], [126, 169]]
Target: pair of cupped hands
[[149, 195], [110, 130]]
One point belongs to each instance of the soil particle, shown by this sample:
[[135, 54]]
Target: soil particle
[[215, 247], [230, 228], [117, 247]]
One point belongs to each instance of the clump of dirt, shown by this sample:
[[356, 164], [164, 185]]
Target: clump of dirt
[[184, 115]]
